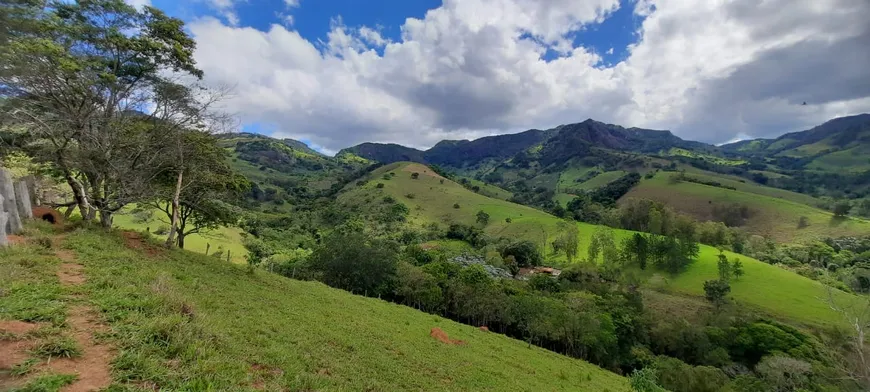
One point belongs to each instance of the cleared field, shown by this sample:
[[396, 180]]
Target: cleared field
[[856, 159], [772, 217], [600, 180], [749, 186], [767, 288], [246, 331]]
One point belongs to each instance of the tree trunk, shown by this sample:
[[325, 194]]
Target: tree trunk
[[106, 219], [173, 226], [181, 240], [79, 195]]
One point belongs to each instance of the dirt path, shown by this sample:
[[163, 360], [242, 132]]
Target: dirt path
[[93, 365]]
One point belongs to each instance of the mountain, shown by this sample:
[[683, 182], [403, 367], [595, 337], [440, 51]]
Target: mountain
[[461, 153], [564, 141], [385, 153], [841, 144]]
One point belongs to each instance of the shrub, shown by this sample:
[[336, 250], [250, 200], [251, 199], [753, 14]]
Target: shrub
[[415, 176], [410, 195], [456, 205], [525, 253], [380, 185], [356, 263]]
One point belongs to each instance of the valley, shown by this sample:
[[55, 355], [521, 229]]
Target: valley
[[152, 239]]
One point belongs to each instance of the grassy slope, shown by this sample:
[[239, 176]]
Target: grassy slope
[[600, 180], [266, 332], [765, 287], [225, 238], [744, 185], [773, 217]]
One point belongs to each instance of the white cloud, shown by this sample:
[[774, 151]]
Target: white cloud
[[708, 70], [291, 3]]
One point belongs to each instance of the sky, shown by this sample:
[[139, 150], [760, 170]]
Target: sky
[[335, 73]]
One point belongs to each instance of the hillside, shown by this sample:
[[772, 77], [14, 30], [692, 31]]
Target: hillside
[[181, 321], [772, 213], [556, 144], [839, 144], [765, 287]]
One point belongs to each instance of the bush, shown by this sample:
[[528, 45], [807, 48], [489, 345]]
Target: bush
[[456, 205], [410, 195], [162, 230], [356, 263], [525, 253], [415, 176], [380, 185]]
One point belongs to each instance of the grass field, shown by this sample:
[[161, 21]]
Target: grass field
[[709, 158], [183, 321], [767, 288], [856, 159], [749, 186], [227, 239], [773, 217], [600, 180]]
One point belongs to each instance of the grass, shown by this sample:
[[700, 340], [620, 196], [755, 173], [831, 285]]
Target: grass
[[855, 159], [490, 190], [227, 239], [764, 287], [773, 217], [47, 383], [57, 346], [749, 186], [30, 288], [706, 157], [568, 177], [767, 288], [184, 321], [600, 180]]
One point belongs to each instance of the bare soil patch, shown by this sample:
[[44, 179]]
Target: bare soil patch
[[442, 337], [92, 367], [70, 274], [135, 241], [15, 239], [17, 327]]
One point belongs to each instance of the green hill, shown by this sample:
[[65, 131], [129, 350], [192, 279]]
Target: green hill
[[767, 288], [183, 321], [773, 212]]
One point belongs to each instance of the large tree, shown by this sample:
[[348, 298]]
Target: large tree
[[202, 198], [91, 80]]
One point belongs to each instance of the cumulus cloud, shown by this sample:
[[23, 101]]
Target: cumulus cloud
[[708, 70]]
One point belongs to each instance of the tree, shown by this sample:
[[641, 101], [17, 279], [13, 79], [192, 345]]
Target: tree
[[199, 201], [636, 250], [716, 291], [569, 239], [79, 77], [356, 263], [737, 268], [525, 253], [415, 176], [841, 209], [724, 268], [482, 218]]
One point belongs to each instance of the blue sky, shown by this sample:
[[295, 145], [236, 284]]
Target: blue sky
[[708, 71], [313, 18]]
